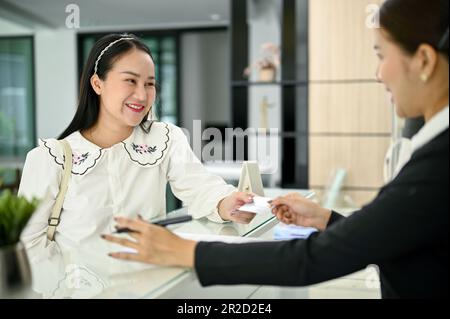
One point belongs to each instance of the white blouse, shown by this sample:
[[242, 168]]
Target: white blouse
[[126, 179]]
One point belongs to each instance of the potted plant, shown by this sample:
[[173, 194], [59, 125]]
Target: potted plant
[[267, 65], [15, 274]]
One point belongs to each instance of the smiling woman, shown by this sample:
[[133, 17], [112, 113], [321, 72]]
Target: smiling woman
[[165, 55], [122, 162], [108, 52], [127, 96]]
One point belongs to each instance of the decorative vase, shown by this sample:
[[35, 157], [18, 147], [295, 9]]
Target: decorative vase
[[267, 74], [15, 273]]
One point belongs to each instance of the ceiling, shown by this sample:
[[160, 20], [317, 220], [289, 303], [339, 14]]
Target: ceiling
[[117, 14]]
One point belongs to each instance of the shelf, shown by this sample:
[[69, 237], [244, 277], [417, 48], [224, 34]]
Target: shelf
[[293, 79], [300, 83], [277, 83]]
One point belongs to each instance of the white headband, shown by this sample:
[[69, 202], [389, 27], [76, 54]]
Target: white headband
[[106, 49]]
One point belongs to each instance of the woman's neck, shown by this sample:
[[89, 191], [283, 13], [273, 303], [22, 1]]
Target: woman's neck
[[437, 95], [435, 109], [107, 136]]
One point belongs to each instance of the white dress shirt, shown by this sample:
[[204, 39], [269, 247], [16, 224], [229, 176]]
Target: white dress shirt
[[435, 126], [126, 179]]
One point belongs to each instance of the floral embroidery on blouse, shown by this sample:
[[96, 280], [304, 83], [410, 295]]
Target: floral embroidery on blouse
[[79, 159], [148, 149], [82, 161], [143, 148]]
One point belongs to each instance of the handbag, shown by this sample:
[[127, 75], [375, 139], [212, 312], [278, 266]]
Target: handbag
[[55, 215]]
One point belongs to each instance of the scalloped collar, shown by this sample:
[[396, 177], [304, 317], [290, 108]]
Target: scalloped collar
[[143, 149]]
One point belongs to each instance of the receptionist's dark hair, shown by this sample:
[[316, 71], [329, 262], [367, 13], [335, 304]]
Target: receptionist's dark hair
[[411, 23], [101, 59]]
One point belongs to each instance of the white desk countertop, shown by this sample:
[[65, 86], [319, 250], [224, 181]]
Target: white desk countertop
[[148, 281]]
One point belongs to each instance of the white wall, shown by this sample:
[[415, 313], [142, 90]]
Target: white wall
[[216, 75], [8, 28], [192, 98], [205, 78], [56, 80]]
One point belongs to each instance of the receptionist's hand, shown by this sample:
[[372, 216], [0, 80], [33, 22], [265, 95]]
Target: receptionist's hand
[[295, 209], [229, 208], [152, 244]]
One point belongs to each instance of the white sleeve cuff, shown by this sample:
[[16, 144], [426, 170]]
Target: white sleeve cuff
[[215, 217]]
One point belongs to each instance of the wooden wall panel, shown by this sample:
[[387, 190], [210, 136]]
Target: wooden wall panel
[[349, 108], [340, 43], [361, 157], [350, 118]]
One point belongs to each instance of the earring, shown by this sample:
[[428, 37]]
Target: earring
[[424, 78]]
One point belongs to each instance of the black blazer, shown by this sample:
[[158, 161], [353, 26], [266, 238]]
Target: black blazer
[[404, 231]]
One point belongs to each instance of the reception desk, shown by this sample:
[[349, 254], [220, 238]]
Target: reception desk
[[100, 276]]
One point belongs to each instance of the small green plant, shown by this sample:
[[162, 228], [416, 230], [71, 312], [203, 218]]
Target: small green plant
[[15, 211]]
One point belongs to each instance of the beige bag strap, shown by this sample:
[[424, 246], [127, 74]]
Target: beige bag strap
[[53, 221]]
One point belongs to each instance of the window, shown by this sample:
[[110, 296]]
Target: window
[[17, 125]]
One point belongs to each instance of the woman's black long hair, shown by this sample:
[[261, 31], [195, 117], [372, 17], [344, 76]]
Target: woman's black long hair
[[89, 102], [411, 23]]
